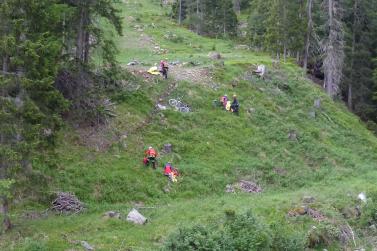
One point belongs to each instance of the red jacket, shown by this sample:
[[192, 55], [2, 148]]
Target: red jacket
[[151, 153], [168, 170]]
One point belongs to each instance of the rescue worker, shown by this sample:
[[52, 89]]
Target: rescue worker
[[164, 68], [150, 157], [235, 105]]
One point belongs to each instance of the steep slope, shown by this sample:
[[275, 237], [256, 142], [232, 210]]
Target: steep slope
[[280, 141]]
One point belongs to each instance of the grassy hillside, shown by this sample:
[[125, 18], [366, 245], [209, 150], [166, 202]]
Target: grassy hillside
[[333, 159]]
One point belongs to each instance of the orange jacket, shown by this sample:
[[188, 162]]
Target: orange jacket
[[151, 153]]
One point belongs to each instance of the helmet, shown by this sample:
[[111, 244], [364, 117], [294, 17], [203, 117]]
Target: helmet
[[225, 95], [150, 148], [234, 96]]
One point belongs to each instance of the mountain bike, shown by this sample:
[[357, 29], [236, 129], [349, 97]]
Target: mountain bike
[[179, 105]]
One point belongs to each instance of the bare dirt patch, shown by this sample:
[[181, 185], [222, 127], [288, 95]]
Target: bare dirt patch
[[196, 75]]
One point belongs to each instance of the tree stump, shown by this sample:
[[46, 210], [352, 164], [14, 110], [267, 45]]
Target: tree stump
[[168, 148], [214, 55], [292, 135]]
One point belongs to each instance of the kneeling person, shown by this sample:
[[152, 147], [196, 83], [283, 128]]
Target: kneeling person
[[151, 157]]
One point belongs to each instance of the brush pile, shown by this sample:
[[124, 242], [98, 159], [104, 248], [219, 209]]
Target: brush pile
[[67, 203], [244, 186]]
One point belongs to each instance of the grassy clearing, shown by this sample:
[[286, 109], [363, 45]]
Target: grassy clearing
[[333, 158]]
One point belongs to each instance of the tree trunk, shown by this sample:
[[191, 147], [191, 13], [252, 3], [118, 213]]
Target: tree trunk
[[82, 41], [80, 35], [285, 52], [237, 6], [308, 34], [180, 13], [197, 16], [349, 101], [4, 207], [329, 79], [5, 63], [334, 49], [298, 57], [354, 26], [86, 47], [224, 21], [4, 210]]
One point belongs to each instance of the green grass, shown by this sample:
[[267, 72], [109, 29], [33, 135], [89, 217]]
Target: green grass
[[333, 159]]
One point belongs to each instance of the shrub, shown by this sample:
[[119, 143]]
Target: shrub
[[287, 240], [236, 232], [323, 235], [195, 238], [33, 245], [248, 233], [369, 212]]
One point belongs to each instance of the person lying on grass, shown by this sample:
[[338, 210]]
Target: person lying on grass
[[171, 172]]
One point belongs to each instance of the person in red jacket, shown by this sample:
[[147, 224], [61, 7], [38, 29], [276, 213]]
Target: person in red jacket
[[164, 68], [171, 172], [224, 100], [150, 157]]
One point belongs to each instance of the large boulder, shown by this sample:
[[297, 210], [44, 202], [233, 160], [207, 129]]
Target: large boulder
[[135, 217]]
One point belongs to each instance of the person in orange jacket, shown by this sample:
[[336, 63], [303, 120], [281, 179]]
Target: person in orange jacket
[[151, 157]]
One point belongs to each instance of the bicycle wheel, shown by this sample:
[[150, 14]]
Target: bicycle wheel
[[180, 104], [173, 102], [184, 109]]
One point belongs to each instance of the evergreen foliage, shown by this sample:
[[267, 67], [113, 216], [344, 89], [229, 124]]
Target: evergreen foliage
[[36, 38], [341, 53], [212, 18]]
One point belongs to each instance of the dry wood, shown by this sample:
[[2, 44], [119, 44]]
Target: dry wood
[[67, 203]]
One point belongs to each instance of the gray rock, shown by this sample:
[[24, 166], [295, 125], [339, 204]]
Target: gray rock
[[230, 189], [161, 107], [134, 62], [251, 110], [308, 199], [166, 189], [87, 246], [242, 47], [135, 217], [292, 135], [168, 148], [112, 214]]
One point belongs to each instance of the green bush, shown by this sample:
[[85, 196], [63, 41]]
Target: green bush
[[248, 233], [236, 232], [323, 235], [197, 238], [33, 245], [284, 240], [369, 212]]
